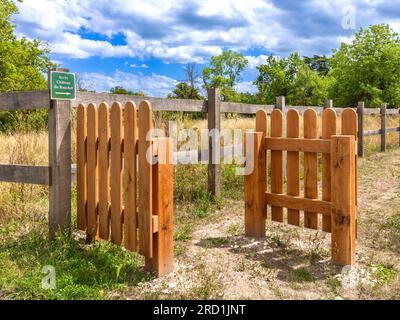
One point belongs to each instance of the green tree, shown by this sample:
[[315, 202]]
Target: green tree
[[225, 72], [293, 78], [368, 69], [185, 91], [121, 90], [23, 64]]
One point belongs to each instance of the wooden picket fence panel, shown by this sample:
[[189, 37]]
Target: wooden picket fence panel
[[338, 202], [121, 196]]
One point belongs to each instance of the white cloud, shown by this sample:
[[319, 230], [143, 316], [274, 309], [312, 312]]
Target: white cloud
[[246, 86], [154, 85], [254, 62], [192, 31]]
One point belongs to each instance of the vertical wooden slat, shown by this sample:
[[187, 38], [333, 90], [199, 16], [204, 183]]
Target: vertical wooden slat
[[277, 163], [254, 187], [328, 129], [145, 182], [81, 167], [343, 200], [116, 173], [310, 168], [130, 140], [104, 171], [92, 171], [163, 242], [261, 126], [349, 127], [293, 165]]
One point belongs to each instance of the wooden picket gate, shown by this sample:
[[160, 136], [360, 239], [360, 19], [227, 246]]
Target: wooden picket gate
[[121, 196], [338, 204]]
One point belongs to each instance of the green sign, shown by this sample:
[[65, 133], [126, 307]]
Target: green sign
[[62, 86]]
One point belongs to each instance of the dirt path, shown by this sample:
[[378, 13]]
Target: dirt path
[[291, 262]]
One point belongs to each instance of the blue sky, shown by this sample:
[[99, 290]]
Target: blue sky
[[143, 45]]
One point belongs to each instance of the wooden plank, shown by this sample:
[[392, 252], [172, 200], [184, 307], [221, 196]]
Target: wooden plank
[[394, 129], [92, 172], [329, 118], [369, 133], [159, 104], [254, 190], [261, 126], [383, 128], [298, 203], [293, 165], [214, 127], [241, 108], [349, 127], [276, 163], [59, 124], [310, 168], [25, 174], [12, 101], [343, 200], [360, 133], [104, 171], [163, 208], [116, 172], [299, 145], [130, 151], [328, 104], [81, 167], [145, 182]]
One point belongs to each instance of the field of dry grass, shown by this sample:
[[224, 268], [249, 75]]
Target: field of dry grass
[[213, 259]]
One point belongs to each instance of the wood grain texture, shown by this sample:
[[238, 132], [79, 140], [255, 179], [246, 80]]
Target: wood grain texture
[[59, 124], [383, 127], [329, 118], [262, 126], [116, 173], [163, 208], [293, 165], [310, 168], [104, 171], [26, 100], [276, 163], [145, 182], [130, 151], [343, 200], [92, 171], [254, 187], [81, 167], [299, 145], [349, 127], [298, 203], [25, 174]]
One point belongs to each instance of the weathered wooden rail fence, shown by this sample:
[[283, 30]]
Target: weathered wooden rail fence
[[59, 172]]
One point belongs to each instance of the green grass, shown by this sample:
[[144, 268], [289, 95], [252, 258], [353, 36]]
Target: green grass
[[385, 273], [215, 242], [82, 271], [301, 275], [394, 223], [183, 232]]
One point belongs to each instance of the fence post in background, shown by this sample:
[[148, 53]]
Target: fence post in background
[[343, 200], [281, 104], [60, 165], [383, 127], [254, 186], [214, 127], [328, 104], [360, 133]]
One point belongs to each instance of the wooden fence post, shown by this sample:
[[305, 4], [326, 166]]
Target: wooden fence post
[[383, 127], [360, 133], [254, 187], [162, 261], [343, 199], [328, 104], [214, 129], [60, 165]]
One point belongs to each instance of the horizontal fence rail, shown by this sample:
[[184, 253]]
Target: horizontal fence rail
[[25, 174]]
